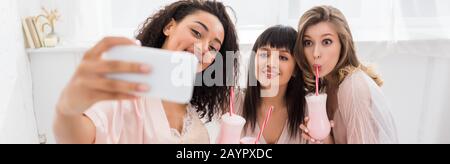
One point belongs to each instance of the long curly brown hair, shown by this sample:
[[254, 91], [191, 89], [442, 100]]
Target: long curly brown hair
[[208, 100]]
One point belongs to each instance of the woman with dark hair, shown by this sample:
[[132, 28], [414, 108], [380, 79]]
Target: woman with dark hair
[[274, 80], [94, 109]]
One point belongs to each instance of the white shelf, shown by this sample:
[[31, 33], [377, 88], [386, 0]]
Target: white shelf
[[64, 49]]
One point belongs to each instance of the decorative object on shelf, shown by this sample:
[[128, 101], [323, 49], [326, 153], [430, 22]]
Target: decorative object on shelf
[[48, 19], [39, 31]]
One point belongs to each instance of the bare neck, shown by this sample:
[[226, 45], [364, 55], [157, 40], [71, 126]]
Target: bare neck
[[175, 114], [278, 101]]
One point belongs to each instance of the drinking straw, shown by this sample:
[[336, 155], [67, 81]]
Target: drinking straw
[[317, 79], [232, 101], [264, 124]]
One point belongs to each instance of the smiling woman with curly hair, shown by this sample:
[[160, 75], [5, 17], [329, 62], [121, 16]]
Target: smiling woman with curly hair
[[93, 109]]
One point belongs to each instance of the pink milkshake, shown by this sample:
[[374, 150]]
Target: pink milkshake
[[319, 126], [249, 140], [230, 129]]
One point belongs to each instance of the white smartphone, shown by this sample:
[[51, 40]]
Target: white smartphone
[[173, 73]]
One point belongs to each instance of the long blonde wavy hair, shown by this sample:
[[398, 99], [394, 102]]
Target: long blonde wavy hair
[[348, 61]]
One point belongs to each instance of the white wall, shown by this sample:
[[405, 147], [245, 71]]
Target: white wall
[[17, 120], [417, 78], [416, 99]]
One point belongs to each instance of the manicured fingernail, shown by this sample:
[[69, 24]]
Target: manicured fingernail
[[143, 88], [145, 68], [138, 42]]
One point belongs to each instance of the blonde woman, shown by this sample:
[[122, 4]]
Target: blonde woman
[[355, 100]]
